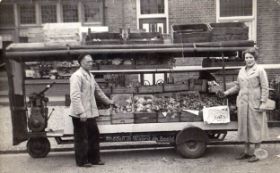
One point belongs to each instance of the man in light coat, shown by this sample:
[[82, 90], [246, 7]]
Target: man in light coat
[[83, 93]]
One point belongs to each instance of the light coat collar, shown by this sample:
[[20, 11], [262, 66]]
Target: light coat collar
[[86, 74], [252, 70]]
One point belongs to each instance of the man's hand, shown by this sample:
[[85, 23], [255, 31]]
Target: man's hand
[[83, 117], [113, 104]]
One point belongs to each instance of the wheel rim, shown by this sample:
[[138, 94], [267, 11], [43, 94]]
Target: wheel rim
[[193, 145]]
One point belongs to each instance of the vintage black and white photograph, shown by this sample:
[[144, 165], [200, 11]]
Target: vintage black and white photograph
[[139, 86]]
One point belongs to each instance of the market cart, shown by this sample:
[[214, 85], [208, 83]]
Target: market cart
[[32, 66]]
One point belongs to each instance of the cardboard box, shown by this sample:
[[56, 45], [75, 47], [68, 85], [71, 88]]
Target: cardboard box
[[216, 115]]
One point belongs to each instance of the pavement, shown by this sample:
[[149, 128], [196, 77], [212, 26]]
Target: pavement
[[217, 159]]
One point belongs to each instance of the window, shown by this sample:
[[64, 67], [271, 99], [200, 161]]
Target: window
[[70, 13], [152, 15], [7, 17], [230, 8], [152, 6], [48, 13], [27, 14], [93, 11], [238, 11]]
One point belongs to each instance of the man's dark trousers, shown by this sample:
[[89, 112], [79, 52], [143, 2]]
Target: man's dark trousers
[[86, 141]]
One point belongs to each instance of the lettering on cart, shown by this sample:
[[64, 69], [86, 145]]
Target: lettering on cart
[[146, 137]]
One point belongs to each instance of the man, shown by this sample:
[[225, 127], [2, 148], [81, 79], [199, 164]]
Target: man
[[83, 91]]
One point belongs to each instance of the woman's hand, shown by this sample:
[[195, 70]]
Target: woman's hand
[[221, 94], [262, 107]]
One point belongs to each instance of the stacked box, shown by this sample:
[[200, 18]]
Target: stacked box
[[145, 117], [165, 117], [187, 116], [200, 85], [150, 89], [190, 33], [229, 31], [176, 87], [122, 118]]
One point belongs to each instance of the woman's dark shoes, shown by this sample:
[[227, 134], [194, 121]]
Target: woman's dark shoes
[[86, 165], [253, 159], [98, 163], [243, 156]]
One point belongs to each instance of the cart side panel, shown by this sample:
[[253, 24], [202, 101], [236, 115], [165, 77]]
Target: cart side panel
[[17, 100]]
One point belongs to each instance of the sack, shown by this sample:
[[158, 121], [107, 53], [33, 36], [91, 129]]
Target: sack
[[269, 105]]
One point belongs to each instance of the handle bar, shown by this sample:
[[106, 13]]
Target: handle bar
[[46, 88]]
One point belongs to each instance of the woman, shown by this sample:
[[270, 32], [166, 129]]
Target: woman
[[252, 85]]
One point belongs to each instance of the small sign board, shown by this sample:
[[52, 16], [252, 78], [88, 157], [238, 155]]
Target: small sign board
[[216, 115]]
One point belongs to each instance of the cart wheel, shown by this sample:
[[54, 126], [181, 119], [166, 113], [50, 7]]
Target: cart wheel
[[191, 142], [38, 147], [192, 148]]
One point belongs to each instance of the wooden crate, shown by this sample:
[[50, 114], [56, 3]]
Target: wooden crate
[[229, 31], [124, 90], [150, 89], [122, 118], [186, 116], [168, 117], [190, 33], [200, 85], [145, 117], [176, 87]]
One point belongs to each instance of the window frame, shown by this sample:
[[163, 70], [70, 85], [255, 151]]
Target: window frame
[[250, 19], [78, 11], [13, 24], [35, 11], [101, 10], [150, 16], [41, 14]]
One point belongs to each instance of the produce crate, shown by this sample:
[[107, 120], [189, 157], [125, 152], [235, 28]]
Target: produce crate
[[219, 63], [229, 31], [103, 38], [124, 90], [189, 116], [200, 85], [176, 87], [122, 118], [150, 89], [145, 117], [190, 33], [103, 119], [145, 38], [164, 117]]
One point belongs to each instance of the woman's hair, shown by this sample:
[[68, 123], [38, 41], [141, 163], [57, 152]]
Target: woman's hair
[[81, 57], [253, 51]]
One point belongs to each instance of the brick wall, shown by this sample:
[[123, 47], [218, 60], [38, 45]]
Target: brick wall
[[191, 11], [120, 14], [268, 32]]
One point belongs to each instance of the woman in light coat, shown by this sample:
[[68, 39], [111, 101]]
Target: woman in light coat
[[252, 85]]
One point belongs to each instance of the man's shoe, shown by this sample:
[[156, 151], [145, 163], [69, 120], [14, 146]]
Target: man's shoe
[[98, 163], [253, 159], [243, 156], [86, 165]]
